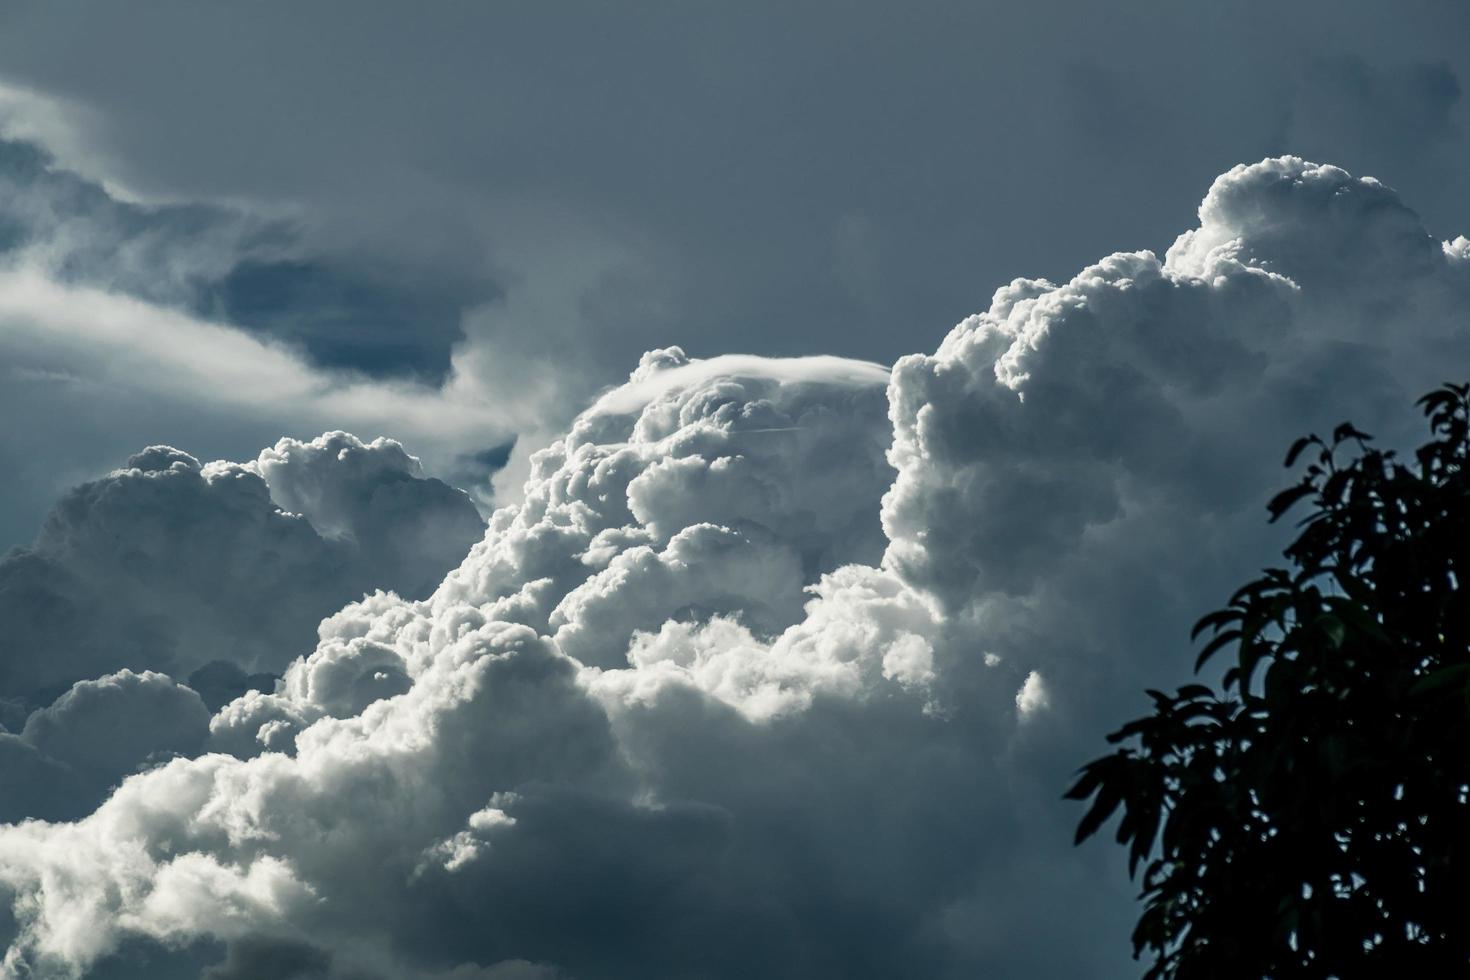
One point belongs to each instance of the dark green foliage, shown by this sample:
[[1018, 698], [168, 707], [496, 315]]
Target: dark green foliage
[[1312, 818]]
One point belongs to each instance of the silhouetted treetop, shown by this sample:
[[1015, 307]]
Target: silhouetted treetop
[[1311, 817]]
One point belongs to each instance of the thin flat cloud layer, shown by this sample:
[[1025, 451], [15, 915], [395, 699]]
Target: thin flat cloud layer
[[777, 669]]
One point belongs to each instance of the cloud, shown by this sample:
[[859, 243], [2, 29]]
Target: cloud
[[254, 267], [778, 669], [115, 341], [1032, 696], [213, 325], [254, 957], [61, 764], [80, 233], [445, 177], [375, 496], [222, 568], [73, 354]]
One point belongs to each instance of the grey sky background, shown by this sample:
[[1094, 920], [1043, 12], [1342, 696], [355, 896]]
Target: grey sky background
[[763, 667]]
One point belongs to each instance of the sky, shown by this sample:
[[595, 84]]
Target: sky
[[569, 490]]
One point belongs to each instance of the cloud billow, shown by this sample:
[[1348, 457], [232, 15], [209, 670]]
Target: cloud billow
[[167, 563], [68, 755], [168, 571], [779, 667]]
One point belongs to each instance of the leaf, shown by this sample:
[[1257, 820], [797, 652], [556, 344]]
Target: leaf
[[1137, 727], [1108, 798], [1333, 490], [1214, 620], [1220, 640], [1297, 447], [1087, 783], [1251, 655], [1284, 500], [1437, 401], [1352, 585], [1335, 629], [1445, 677], [1144, 834], [1357, 615], [1279, 684]]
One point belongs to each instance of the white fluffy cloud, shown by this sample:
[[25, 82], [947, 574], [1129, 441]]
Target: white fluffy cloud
[[780, 667]]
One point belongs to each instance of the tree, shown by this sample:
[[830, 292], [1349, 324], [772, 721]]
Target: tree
[[1311, 818]]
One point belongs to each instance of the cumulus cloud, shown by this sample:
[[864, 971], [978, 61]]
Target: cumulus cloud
[[778, 668], [220, 568], [60, 765]]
